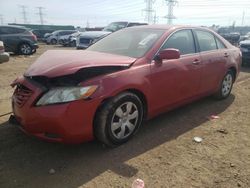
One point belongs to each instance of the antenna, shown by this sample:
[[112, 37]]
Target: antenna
[[170, 16]]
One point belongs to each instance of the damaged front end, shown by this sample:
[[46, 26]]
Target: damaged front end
[[66, 88]]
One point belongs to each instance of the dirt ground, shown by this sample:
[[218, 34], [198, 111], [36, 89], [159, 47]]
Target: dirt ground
[[163, 153]]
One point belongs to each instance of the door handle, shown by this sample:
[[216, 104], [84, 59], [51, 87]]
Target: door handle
[[196, 62]]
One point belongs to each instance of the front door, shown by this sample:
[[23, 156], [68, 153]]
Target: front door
[[176, 80]]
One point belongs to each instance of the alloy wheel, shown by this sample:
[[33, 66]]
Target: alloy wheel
[[124, 120], [25, 49], [227, 84]]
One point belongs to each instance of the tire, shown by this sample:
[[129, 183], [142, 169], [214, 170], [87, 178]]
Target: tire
[[25, 49], [53, 41], [118, 119], [72, 44], [225, 86]]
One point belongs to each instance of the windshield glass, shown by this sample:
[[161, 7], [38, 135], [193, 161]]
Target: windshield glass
[[115, 26], [128, 42]]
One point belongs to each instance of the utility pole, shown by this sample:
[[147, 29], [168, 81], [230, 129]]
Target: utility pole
[[1, 19], [24, 13], [149, 10], [243, 18], [41, 14], [170, 16]]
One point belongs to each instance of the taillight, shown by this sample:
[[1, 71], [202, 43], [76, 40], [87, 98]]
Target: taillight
[[34, 36]]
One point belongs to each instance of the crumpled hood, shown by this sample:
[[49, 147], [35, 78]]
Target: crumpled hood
[[55, 63]]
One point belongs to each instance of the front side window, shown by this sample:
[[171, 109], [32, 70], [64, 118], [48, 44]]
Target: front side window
[[206, 41], [182, 40], [220, 45]]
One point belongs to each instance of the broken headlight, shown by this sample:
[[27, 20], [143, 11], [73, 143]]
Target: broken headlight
[[66, 94]]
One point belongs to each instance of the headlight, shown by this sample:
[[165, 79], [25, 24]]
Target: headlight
[[66, 94], [244, 49]]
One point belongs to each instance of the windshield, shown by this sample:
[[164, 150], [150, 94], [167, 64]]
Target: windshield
[[128, 42], [115, 26]]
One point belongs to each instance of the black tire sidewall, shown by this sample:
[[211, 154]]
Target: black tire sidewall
[[53, 41], [127, 98]]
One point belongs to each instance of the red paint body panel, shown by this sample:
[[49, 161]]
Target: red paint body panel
[[165, 85]]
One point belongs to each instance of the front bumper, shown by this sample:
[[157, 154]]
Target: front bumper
[[35, 46], [4, 57], [67, 123]]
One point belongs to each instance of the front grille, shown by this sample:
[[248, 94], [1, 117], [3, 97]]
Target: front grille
[[21, 95]]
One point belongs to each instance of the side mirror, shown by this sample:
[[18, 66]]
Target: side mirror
[[169, 53]]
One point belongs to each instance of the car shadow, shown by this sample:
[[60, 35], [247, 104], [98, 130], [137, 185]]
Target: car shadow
[[24, 158]]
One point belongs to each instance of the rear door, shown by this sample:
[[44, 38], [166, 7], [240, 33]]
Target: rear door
[[214, 57], [179, 79]]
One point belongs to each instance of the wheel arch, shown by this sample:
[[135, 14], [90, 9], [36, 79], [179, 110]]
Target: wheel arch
[[135, 91], [234, 70]]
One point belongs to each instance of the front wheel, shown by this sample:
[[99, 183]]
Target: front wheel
[[226, 86], [119, 119]]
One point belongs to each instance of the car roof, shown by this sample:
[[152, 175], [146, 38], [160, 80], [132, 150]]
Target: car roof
[[167, 27], [15, 26]]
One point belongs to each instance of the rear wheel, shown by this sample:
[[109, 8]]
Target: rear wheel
[[25, 49], [119, 119], [53, 41], [226, 85]]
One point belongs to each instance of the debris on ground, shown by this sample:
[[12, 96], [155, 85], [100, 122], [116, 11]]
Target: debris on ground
[[232, 165], [223, 131], [138, 183], [197, 139], [52, 171], [212, 117]]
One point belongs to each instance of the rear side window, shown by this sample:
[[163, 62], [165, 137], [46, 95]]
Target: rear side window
[[182, 40], [206, 41], [220, 45], [11, 30]]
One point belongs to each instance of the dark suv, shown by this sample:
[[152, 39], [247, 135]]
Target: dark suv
[[18, 40]]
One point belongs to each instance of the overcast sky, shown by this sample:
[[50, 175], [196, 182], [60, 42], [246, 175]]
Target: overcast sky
[[100, 13]]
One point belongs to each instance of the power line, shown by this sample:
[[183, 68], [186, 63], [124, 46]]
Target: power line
[[149, 10], [170, 16], [24, 13], [1, 19], [41, 14]]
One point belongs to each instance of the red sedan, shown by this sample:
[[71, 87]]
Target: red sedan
[[106, 91]]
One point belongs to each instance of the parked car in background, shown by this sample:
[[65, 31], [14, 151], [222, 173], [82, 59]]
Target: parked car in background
[[107, 90], [233, 38], [19, 40], [84, 40], [4, 56], [245, 49], [69, 40], [41, 32], [88, 38], [115, 26], [54, 37]]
